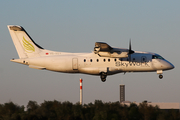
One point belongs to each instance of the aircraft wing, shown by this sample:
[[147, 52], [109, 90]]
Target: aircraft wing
[[105, 50]]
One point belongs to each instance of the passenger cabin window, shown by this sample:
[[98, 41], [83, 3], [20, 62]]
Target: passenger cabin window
[[157, 57], [91, 60], [97, 60], [108, 60], [84, 60], [104, 60], [115, 59]]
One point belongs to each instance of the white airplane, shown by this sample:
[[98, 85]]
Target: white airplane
[[104, 60]]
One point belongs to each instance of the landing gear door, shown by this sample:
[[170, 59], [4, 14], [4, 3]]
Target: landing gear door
[[143, 61], [75, 64]]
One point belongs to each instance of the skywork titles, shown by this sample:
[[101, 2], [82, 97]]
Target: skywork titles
[[126, 64]]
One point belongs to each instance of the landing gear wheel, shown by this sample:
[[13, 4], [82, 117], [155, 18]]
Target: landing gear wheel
[[103, 80], [103, 76], [160, 76]]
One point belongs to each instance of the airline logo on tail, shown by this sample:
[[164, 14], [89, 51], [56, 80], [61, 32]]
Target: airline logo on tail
[[28, 47]]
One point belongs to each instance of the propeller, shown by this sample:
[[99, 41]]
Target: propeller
[[130, 50]]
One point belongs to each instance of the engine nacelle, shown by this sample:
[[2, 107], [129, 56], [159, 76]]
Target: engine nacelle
[[104, 50]]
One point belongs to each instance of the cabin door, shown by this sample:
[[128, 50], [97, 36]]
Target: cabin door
[[75, 63]]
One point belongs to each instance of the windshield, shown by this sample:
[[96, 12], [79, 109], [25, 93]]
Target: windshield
[[157, 57]]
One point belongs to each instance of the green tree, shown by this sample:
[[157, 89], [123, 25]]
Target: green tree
[[133, 113], [11, 111], [148, 112]]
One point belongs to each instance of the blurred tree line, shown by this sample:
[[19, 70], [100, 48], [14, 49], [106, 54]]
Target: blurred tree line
[[55, 110]]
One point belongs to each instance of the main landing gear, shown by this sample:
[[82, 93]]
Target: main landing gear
[[103, 76]]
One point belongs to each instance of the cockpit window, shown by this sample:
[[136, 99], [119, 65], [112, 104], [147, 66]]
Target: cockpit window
[[157, 57]]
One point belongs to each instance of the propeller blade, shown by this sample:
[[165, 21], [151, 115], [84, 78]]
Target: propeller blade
[[129, 57], [130, 51], [130, 45]]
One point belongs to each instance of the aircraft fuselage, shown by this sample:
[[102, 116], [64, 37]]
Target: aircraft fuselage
[[104, 60], [90, 63]]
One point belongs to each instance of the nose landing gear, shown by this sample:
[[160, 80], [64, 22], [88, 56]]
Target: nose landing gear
[[160, 76]]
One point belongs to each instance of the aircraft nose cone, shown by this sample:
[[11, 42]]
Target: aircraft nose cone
[[169, 65], [172, 66]]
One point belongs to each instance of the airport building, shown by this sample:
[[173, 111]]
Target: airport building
[[160, 105], [175, 106]]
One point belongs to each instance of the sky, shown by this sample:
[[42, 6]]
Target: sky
[[75, 26]]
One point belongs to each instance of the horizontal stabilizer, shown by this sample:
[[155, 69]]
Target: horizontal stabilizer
[[21, 61]]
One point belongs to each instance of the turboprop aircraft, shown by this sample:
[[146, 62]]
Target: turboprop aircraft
[[103, 61]]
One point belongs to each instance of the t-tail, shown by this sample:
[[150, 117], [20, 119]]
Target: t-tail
[[29, 52], [25, 46]]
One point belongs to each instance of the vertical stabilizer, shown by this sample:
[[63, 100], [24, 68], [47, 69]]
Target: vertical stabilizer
[[25, 46]]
